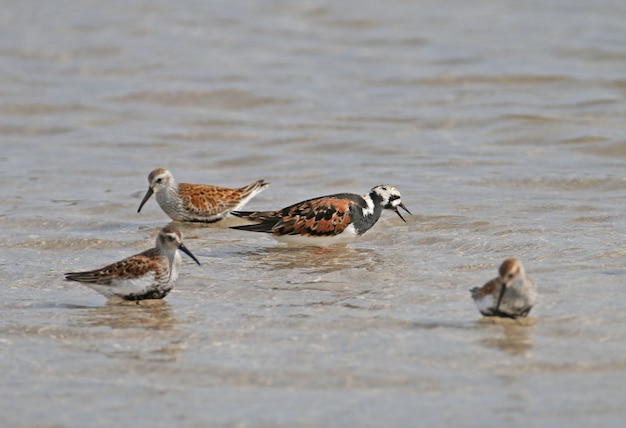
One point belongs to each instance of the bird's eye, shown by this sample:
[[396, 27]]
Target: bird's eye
[[510, 276], [171, 238], [159, 180]]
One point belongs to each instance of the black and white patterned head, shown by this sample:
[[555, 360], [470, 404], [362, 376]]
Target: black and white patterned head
[[390, 198]]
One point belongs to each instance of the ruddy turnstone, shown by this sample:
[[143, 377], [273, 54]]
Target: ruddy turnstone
[[147, 275], [327, 220], [197, 202], [510, 295]]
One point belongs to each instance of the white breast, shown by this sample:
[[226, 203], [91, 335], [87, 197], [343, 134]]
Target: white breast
[[486, 303]]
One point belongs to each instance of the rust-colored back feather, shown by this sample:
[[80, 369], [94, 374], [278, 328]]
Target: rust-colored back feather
[[490, 287], [326, 216], [205, 199]]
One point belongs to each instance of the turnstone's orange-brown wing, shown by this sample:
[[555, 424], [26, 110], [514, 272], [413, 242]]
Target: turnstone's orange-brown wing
[[129, 268], [325, 216]]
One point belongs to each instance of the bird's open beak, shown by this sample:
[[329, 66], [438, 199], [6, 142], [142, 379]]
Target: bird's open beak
[[145, 198], [184, 249], [398, 212]]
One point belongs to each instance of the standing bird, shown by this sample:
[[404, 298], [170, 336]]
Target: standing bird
[[197, 202], [510, 295], [327, 220], [147, 275]]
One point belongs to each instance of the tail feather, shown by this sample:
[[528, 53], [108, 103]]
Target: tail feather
[[250, 191], [242, 214], [254, 188], [255, 227], [86, 277], [261, 221]]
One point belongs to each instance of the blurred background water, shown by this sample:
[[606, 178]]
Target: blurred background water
[[502, 124]]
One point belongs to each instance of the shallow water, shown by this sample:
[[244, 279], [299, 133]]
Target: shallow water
[[501, 123]]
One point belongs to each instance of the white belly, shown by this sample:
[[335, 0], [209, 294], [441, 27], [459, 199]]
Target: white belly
[[348, 235]]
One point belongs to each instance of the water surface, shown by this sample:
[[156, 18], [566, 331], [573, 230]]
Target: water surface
[[501, 123]]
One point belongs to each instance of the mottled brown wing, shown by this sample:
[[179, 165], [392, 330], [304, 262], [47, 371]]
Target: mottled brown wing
[[131, 267], [489, 288], [325, 216], [205, 200]]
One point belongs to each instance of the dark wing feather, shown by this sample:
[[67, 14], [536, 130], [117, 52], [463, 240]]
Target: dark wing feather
[[131, 267], [264, 221]]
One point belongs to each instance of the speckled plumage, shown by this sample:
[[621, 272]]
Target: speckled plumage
[[512, 294], [327, 220], [150, 274], [197, 202]]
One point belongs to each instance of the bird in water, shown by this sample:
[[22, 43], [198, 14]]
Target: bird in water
[[150, 274], [511, 294], [326, 220], [197, 202]]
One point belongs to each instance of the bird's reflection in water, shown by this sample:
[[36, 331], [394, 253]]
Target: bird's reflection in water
[[143, 331], [144, 314], [195, 230], [314, 260], [517, 335]]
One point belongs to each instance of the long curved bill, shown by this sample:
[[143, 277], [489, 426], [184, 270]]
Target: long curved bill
[[398, 212], [145, 198], [184, 249]]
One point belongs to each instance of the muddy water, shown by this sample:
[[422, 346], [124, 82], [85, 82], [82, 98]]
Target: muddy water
[[501, 123]]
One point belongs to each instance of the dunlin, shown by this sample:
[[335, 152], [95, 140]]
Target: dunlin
[[147, 275], [512, 294], [197, 202]]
